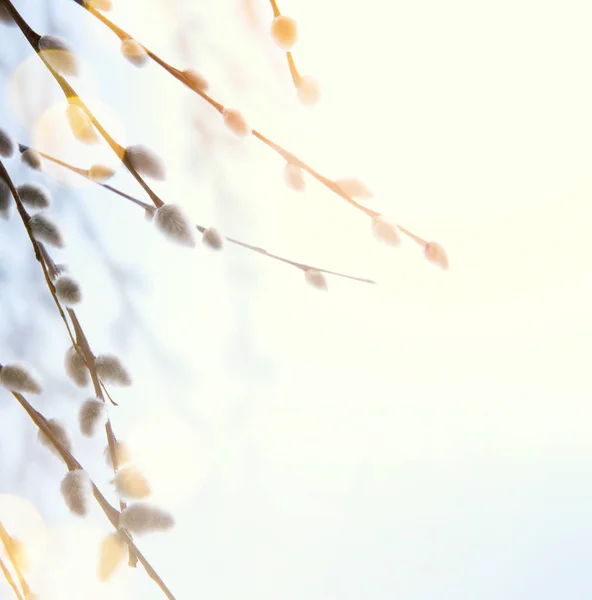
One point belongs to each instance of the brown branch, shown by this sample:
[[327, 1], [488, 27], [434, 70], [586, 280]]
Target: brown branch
[[10, 579], [110, 512], [200, 228]]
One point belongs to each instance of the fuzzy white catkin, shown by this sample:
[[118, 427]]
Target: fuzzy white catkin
[[236, 122], [134, 52], [112, 551], [59, 433], [92, 414], [131, 484], [76, 368], [143, 518], [122, 454], [436, 255], [110, 370], [81, 125], [316, 279], [100, 173], [284, 32], [5, 199], [145, 161], [172, 221], [45, 230], [68, 290], [76, 490], [58, 54], [196, 80], [385, 231], [308, 90], [294, 177], [34, 195], [18, 378], [7, 145], [354, 187], [31, 158], [212, 238]]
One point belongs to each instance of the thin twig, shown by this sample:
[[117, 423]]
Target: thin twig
[[10, 579], [200, 228], [285, 154], [110, 512], [8, 546]]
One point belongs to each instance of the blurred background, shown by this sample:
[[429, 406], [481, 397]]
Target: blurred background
[[423, 438]]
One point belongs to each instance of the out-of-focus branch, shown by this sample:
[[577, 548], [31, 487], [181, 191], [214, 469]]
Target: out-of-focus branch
[[8, 547], [10, 579]]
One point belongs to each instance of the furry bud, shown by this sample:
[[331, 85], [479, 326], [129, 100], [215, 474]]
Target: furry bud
[[172, 221], [385, 231], [105, 5], [131, 484], [308, 90], [31, 158], [294, 177], [58, 54], [81, 125], [435, 254], [58, 431], [76, 489], [5, 199], [134, 52], [316, 279], [34, 195], [17, 378], [212, 238], [112, 551], [68, 290], [195, 80], [143, 518], [45, 230], [92, 414], [145, 161], [7, 144], [122, 454], [100, 173], [354, 188], [76, 367], [110, 370], [235, 121], [284, 32]]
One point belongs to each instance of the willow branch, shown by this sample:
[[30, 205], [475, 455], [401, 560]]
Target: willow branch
[[8, 546], [111, 513], [10, 579], [200, 228]]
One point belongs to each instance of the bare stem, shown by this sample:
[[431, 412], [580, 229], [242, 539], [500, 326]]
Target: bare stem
[[8, 546], [10, 579]]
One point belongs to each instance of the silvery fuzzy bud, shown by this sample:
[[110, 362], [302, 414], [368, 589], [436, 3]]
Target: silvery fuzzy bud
[[435, 254], [294, 177], [143, 518], [316, 279], [195, 80], [68, 290], [145, 161], [92, 414], [34, 195], [81, 125], [45, 230], [112, 551], [7, 145], [235, 121], [122, 454], [385, 231], [134, 52], [18, 378], [110, 370], [76, 490], [59, 433], [58, 54], [76, 368], [31, 158], [212, 238], [100, 173], [131, 484], [174, 223], [308, 90], [354, 187], [5, 199]]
